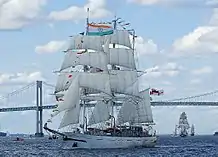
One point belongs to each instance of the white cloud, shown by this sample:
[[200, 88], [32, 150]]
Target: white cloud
[[15, 14], [204, 70], [178, 3], [20, 78], [196, 42], [145, 47], [97, 10], [170, 69], [51, 47], [146, 2]]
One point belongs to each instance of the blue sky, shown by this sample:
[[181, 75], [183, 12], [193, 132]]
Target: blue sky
[[177, 38]]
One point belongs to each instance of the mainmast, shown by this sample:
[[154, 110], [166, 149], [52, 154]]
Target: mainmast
[[85, 68]]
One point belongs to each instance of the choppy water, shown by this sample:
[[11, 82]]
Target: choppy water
[[205, 146]]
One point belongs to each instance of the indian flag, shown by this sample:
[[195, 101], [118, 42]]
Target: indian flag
[[100, 29]]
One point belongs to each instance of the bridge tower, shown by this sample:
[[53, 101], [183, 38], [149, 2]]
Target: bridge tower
[[39, 121]]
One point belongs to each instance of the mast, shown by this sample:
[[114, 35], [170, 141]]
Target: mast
[[85, 68], [113, 68]]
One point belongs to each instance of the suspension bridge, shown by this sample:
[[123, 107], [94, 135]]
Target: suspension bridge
[[42, 99]]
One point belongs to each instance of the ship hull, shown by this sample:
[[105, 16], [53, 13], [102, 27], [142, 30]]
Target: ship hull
[[183, 135], [104, 142]]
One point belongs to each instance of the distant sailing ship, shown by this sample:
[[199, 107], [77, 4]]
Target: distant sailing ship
[[192, 130], [175, 133], [108, 79], [184, 127]]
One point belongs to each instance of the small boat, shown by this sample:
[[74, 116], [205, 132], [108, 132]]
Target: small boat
[[18, 139]]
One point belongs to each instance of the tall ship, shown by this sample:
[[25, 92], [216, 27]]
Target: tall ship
[[175, 133], [97, 91], [192, 130], [183, 125]]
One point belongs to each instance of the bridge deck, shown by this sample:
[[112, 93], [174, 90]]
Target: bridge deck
[[12, 109]]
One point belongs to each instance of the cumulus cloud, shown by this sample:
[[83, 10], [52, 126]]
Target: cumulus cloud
[[15, 14], [51, 47], [178, 3], [20, 78], [169, 69], [196, 43], [97, 10], [145, 47], [203, 70]]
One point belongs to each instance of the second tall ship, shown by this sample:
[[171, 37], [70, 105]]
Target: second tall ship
[[97, 77], [183, 129]]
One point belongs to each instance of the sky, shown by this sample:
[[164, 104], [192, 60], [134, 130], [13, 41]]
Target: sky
[[177, 44]]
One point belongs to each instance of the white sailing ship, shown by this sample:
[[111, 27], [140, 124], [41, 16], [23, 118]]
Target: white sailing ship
[[183, 125], [192, 130], [108, 80], [175, 133]]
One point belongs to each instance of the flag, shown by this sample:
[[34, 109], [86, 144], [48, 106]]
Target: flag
[[100, 29], [156, 92], [70, 76]]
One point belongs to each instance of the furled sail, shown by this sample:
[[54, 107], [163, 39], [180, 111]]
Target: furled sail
[[94, 59]]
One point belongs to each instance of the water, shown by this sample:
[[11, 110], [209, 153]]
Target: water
[[201, 146]]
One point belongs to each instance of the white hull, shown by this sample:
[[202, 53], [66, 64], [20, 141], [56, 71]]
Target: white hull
[[103, 142]]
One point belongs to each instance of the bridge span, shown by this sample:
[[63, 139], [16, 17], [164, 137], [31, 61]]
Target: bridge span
[[155, 104], [39, 107]]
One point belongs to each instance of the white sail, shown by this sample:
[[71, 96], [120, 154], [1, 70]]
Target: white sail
[[71, 98], [127, 113], [97, 81], [94, 59], [122, 57], [71, 116], [86, 42], [100, 113], [136, 110], [63, 82], [144, 108], [120, 37], [124, 82]]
